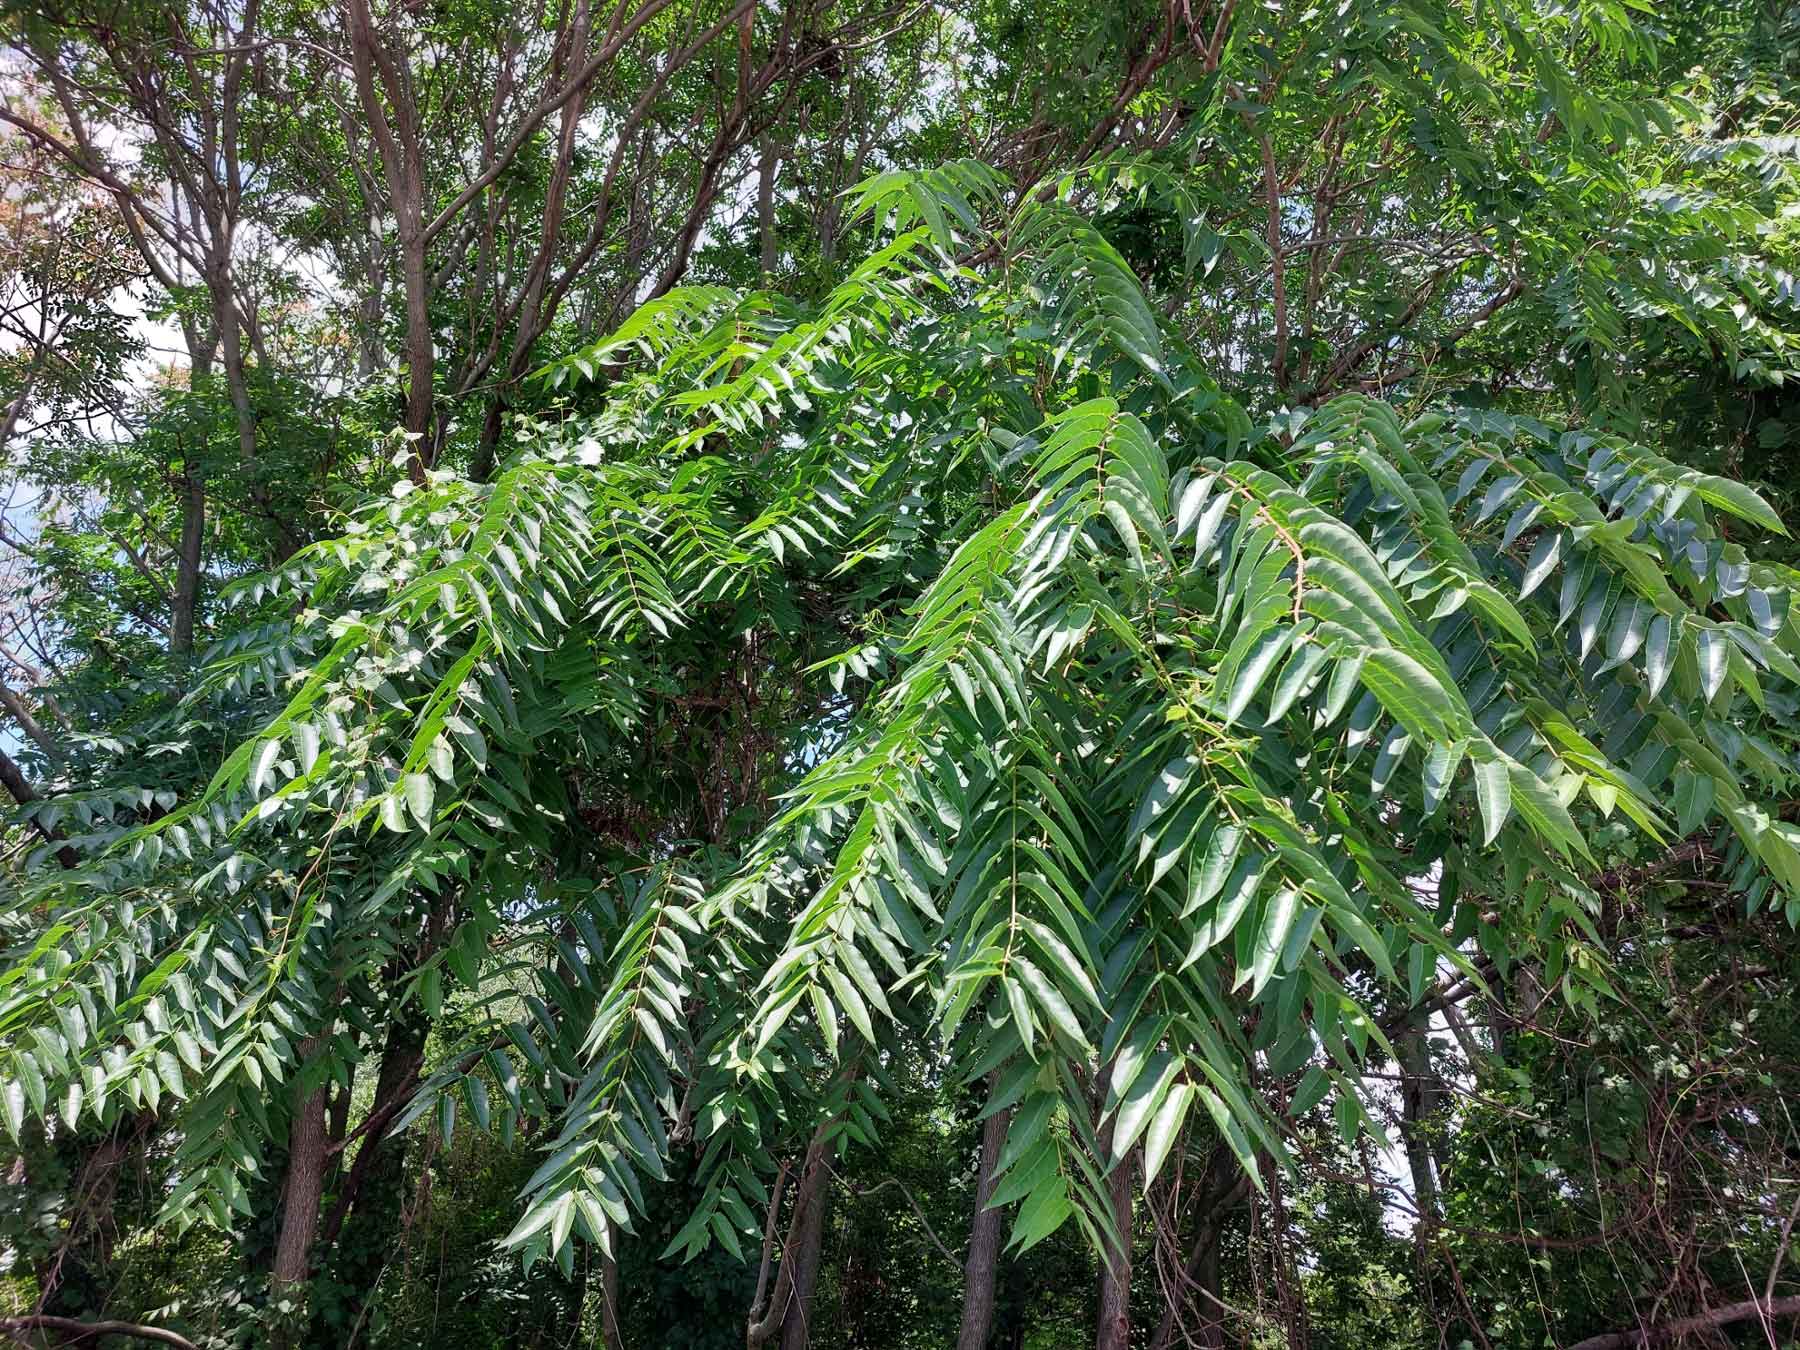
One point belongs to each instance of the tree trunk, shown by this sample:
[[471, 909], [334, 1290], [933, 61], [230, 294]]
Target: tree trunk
[[187, 564], [12, 778], [300, 1196], [487, 450], [1418, 1104], [610, 1335], [420, 355], [1206, 1276], [397, 141], [1113, 1327], [75, 1277], [362, 1231], [368, 336], [1201, 1274], [807, 1202], [1290, 1296], [765, 204], [231, 355], [807, 1242], [984, 1240]]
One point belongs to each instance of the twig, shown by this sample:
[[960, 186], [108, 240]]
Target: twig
[[1781, 1250], [1705, 1321], [914, 1204], [85, 1331]]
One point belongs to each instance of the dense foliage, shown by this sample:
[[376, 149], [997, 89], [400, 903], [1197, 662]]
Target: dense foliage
[[900, 675]]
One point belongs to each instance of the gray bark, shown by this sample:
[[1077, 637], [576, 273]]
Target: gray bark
[[301, 1193], [808, 1242], [1113, 1326], [984, 1242], [765, 204], [187, 564]]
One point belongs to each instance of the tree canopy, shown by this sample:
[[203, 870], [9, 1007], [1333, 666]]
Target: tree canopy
[[900, 674]]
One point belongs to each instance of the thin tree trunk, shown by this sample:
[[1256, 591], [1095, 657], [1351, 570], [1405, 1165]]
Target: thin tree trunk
[[487, 450], [610, 1335], [362, 1230], [1290, 1296], [1764, 1309], [1113, 1327], [337, 1115], [300, 1196], [764, 1316], [14, 410], [187, 564], [78, 1331], [984, 1240], [231, 355], [808, 1243], [420, 354], [1201, 1274], [764, 1321], [1212, 1316], [397, 141], [75, 1275], [1418, 1103], [368, 336], [765, 204]]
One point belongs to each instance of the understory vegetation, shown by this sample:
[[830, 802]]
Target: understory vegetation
[[950, 673]]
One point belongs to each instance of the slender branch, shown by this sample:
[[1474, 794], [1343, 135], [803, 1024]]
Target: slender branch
[[547, 105], [1706, 1321], [1277, 258], [1781, 1250], [87, 1331], [768, 1246], [925, 1223]]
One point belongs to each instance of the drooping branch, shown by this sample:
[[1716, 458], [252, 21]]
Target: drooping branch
[[18, 1327]]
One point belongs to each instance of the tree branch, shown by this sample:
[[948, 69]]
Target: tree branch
[[1713, 1317], [13, 780], [87, 1331]]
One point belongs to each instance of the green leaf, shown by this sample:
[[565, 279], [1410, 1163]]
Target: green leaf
[[419, 796], [1730, 495], [1659, 653], [1712, 653], [1044, 1211], [1268, 649], [262, 765], [1494, 792], [1239, 890], [1278, 918], [1165, 1129], [306, 745], [1148, 1092], [1412, 695], [1207, 876], [1163, 789], [1545, 555]]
